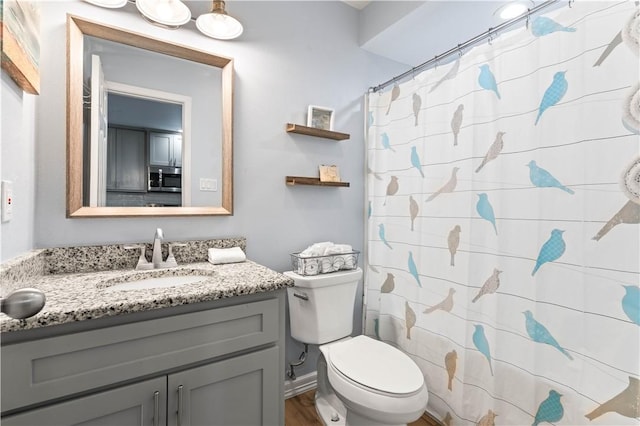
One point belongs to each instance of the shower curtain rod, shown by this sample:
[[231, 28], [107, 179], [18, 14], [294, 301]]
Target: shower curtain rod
[[470, 42]]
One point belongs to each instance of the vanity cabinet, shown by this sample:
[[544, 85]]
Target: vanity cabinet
[[165, 149], [218, 366], [236, 391], [126, 162]]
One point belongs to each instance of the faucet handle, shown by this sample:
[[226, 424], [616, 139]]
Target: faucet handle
[[159, 234], [142, 260], [171, 260]]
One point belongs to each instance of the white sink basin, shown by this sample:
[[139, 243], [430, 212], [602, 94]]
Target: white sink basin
[[158, 282]]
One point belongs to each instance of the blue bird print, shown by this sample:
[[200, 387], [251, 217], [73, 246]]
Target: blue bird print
[[543, 179], [370, 119], [631, 303], [484, 209], [554, 93], [551, 250], [487, 80], [386, 143], [481, 343], [540, 334], [550, 410], [382, 237], [369, 211], [413, 270], [415, 160], [542, 26], [376, 327]]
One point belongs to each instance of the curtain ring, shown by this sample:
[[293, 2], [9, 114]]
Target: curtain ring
[[435, 60], [571, 3], [459, 51], [528, 18]]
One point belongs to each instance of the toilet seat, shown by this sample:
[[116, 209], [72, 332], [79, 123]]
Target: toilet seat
[[360, 359], [373, 395]]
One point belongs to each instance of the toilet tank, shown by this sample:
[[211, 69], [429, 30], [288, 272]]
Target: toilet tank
[[321, 306]]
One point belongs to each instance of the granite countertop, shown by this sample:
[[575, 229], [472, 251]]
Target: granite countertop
[[79, 296]]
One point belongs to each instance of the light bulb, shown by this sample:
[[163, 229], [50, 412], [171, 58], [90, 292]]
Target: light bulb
[[219, 25], [172, 13], [111, 4]]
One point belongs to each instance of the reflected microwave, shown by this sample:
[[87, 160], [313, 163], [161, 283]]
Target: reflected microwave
[[165, 179]]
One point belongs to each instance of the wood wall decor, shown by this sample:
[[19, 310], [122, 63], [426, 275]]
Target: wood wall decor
[[21, 43]]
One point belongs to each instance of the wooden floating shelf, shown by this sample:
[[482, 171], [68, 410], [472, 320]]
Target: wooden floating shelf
[[320, 133], [300, 180]]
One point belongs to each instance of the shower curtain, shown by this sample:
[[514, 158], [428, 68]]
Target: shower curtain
[[503, 244]]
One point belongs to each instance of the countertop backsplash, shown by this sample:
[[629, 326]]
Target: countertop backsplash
[[109, 257], [19, 269]]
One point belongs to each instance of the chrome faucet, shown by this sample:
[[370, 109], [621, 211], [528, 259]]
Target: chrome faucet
[[156, 257]]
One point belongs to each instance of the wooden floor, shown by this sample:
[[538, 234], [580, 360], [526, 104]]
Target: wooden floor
[[300, 411]]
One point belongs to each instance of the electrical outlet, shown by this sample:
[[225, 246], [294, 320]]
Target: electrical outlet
[[208, 184], [6, 205]]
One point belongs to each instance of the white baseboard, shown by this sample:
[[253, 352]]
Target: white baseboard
[[300, 385]]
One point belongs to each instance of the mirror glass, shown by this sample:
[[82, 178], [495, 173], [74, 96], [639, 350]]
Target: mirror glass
[[154, 134]]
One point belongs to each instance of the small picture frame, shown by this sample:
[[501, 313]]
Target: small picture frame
[[320, 117], [329, 173]]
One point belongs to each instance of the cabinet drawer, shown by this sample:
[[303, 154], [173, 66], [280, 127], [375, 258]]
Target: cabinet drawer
[[45, 369]]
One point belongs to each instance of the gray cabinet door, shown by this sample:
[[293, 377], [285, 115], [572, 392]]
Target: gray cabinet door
[[177, 150], [237, 391], [165, 149], [126, 164], [160, 147], [140, 404]]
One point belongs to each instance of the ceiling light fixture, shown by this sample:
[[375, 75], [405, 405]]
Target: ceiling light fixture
[[172, 14], [167, 13], [111, 4], [217, 24], [513, 9]]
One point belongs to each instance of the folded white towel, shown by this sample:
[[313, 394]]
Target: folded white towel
[[326, 248], [226, 255], [338, 249], [317, 249], [308, 267]]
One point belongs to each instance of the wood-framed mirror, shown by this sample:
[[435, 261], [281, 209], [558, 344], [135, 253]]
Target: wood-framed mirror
[[147, 168]]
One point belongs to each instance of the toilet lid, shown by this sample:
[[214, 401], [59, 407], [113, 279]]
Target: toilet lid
[[376, 365]]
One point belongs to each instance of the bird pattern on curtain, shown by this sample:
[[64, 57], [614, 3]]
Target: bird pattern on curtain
[[503, 243]]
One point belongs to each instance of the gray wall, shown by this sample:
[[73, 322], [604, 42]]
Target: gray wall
[[18, 165], [291, 55]]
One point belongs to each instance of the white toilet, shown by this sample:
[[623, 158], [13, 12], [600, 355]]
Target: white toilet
[[361, 381]]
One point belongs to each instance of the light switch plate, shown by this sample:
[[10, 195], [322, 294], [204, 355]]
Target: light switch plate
[[208, 184], [6, 206]]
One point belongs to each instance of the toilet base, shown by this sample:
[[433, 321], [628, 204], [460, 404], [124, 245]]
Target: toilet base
[[331, 409]]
